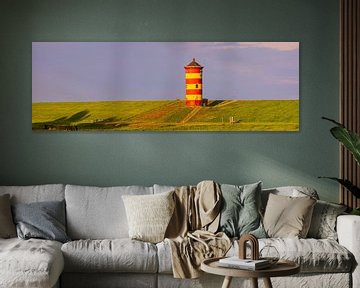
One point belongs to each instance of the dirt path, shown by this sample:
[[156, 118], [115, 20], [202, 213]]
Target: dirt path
[[226, 102], [191, 114]]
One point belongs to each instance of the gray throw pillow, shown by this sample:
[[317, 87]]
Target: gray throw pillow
[[7, 226], [44, 220], [240, 213], [323, 222]]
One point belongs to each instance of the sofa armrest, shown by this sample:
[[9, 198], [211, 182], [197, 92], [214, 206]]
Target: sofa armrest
[[348, 230]]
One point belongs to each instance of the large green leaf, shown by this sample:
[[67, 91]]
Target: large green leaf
[[347, 184], [348, 138]]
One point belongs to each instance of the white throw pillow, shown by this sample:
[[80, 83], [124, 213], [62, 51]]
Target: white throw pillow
[[149, 215]]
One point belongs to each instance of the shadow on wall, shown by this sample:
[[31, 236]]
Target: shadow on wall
[[68, 123]]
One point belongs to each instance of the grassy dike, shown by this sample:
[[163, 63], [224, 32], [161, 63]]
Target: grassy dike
[[168, 115]]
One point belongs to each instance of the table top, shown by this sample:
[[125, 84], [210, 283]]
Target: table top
[[281, 268]]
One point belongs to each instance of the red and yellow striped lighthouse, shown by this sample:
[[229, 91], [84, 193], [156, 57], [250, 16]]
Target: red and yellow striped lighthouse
[[193, 82]]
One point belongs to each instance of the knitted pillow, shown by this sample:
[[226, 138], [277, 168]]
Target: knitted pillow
[[149, 215]]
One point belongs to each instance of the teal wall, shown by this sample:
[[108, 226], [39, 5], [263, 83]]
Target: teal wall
[[103, 158]]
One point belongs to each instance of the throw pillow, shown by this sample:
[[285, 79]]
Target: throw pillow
[[7, 227], [44, 220], [292, 191], [149, 215], [240, 213], [288, 217], [323, 222]]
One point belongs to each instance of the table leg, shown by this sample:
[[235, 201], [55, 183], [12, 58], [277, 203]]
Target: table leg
[[227, 282], [254, 282], [267, 283]]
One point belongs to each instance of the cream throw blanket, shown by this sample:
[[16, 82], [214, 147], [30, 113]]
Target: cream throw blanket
[[191, 231]]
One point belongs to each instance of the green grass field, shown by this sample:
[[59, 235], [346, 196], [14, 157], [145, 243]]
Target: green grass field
[[168, 115]]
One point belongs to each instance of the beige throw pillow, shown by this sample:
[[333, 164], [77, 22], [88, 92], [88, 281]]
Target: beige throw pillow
[[149, 215], [7, 226], [288, 217]]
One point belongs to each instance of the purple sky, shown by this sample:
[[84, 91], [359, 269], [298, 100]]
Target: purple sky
[[94, 71]]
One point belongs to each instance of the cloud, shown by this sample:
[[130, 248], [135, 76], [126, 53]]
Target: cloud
[[280, 46]]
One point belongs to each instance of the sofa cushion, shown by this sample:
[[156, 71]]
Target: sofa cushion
[[163, 188], [323, 222], [98, 212], [164, 257], [30, 263], [109, 280], [7, 227], [314, 255], [36, 193], [149, 215], [43, 220], [291, 191], [287, 216], [116, 255]]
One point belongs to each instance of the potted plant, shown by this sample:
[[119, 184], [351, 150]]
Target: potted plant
[[351, 141]]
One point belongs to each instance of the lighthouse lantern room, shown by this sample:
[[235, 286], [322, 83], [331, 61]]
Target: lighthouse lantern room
[[193, 83]]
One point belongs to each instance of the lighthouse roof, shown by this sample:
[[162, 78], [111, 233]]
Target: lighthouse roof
[[193, 63]]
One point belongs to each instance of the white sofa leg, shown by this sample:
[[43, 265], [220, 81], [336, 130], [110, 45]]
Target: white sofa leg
[[348, 229]]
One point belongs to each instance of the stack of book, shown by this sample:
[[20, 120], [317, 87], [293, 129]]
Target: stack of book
[[248, 264]]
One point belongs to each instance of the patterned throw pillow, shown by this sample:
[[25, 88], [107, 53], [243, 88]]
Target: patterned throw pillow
[[149, 215], [288, 217], [323, 223]]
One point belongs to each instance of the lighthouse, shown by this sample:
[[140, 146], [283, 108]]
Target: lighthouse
[[193, 84]]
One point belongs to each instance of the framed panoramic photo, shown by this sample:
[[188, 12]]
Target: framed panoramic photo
[[165, 86]]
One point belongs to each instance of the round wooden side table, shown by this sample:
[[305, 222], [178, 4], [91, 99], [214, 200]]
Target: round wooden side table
[[281, 268]]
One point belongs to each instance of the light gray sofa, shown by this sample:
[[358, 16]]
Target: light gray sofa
[[101, 254]]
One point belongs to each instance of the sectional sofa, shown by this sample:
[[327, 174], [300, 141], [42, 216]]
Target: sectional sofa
[[100, 253]]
